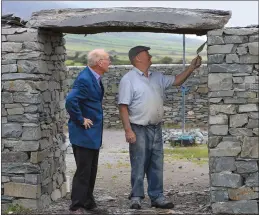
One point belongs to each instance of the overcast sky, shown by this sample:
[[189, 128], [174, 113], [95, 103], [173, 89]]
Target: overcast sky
[[244, 13]]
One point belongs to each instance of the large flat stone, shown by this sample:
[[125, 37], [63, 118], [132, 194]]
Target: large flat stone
[[250, 147], [235, 207], [226, 179], [14, 157], [226, 148], [252, 180], [220, 81], [226, 109], [238, 120], [19, 168], [166, 20], [218, 129], [246, 166], [218, 120], [22, 190], [219, 164], [230, 68], [13, 130]]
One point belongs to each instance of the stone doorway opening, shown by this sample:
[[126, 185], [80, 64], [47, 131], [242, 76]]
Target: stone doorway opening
[[33, 94]]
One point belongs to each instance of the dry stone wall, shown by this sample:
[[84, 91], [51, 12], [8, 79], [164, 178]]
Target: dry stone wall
[[33, 149], [196, 106], [233, 120]]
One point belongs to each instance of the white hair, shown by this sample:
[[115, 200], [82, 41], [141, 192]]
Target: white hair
[[94, 56]]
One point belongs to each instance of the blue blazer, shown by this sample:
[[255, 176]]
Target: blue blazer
[[85, 101]]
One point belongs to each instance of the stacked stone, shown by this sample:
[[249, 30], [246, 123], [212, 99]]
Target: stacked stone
[[233, 120], [196, 105], [33, 149]]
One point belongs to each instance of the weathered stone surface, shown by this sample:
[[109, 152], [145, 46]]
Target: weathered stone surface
[[245, 59], [252, 180], [219, 196], [33, 67], [13, 130], [166, 20], [33, 46], [240, 132], [218, 129], [23, 56], [19, 168], [232, 58], [218, 119], [31, 133], [55, 195], [242, 50], [215, 40], [247, 108], [226, 148], [222, 164], [246, 94], [236, 207], [227, 93], [20, 76], [11, 47], [256, 131], [219, 81], [235, 39], [23, 146], [246, 166], [215, 100], [241, 31], [238, 120], [39, 156], [17, 179], [24, 37], [227, 109], [22, 190], [235, 101], [238, 80], [230, 68], [5, 179], [253, 38], [24, 97], [6, 98], [11, 157], [15, 111], [226, 179], [250, 147], [252, 123], [242, 193], [253, 115], [11, 68], [216, 58], [220, 49], [214, 141], [253, 48], [32, 178]]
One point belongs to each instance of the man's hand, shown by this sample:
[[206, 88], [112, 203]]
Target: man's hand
[[130, 136], [87, 123], [196, 62]]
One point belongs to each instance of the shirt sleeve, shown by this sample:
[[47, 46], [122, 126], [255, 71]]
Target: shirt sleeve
[[76, 95], [167, 80], [125, 92]]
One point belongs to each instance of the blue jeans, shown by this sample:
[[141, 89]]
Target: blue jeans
[[147, 157]]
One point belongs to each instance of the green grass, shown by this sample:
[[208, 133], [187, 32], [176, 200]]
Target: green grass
[[17, 209], [188, 152]]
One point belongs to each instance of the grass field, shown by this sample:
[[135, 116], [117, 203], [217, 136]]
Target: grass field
[[118, 44]]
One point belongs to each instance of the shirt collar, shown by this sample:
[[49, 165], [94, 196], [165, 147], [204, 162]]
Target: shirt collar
[[141, 73], [96, 75]]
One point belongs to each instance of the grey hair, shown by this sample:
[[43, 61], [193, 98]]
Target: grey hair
[[94, 56]]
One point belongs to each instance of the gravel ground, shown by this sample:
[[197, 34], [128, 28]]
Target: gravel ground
[[185, 183]]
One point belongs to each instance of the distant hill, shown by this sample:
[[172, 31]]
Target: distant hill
[[118, 44]]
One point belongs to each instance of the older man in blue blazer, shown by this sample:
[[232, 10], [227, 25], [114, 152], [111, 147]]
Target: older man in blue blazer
[[85, 125]]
